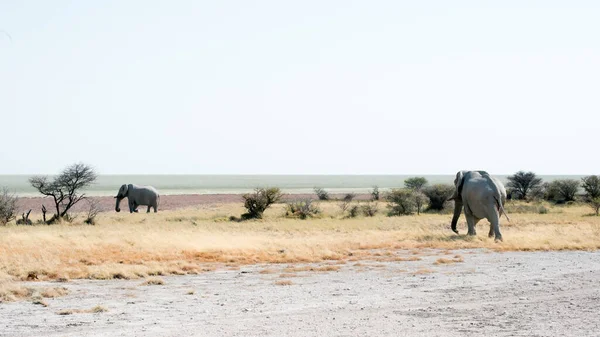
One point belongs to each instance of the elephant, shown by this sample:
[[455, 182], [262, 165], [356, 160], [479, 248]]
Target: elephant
[[138, 196], [482, 197]]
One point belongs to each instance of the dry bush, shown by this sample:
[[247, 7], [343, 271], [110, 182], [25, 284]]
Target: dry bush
[[321, 193], [370, 209], [8, 206], [302, 209], [92, 212], [354, 211], [375, 194]]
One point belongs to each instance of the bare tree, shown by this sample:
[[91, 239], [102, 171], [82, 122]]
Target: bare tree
[[522, 183], [65, 189], [8, 206]]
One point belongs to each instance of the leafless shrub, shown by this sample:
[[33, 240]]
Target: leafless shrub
[[8, 206], [93, 210], [370, 209]]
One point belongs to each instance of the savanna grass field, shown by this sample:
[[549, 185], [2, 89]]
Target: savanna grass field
[[201, 238]]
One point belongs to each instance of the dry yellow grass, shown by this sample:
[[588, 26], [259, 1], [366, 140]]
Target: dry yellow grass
[[284, 283], [190, 241], [94, 310], [10, 291], [153, 281]]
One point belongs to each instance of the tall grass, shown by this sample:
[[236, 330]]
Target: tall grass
[[192, 240]]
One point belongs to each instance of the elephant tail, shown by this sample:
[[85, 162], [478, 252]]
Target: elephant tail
[[501, 209]]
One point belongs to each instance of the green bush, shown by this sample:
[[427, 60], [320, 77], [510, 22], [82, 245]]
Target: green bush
[[591, 186], [438, 195], [256, 203], [375, 193], [321, 193], [401, 202]]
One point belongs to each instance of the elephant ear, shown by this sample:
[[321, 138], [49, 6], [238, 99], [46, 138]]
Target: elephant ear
[[123, 191], [458, 182]]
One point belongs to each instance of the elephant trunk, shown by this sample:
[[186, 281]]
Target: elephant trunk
[[458, 205], [117, 208]]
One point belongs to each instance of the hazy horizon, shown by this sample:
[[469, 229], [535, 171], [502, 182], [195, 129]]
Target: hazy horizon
[[270, 87]]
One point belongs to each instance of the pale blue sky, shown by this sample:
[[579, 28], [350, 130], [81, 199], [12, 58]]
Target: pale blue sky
[[303, 87]]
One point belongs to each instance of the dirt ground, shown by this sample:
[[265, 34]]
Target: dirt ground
[[489, 294]]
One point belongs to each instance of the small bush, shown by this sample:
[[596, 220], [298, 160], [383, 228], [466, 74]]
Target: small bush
[[8, 206], [401, 202], [369, 209], [561, 191], [353, 211], [93, 210], [375, 194], [256, 203], [302, 209], [438, 196], [595, 204], [349, 197], [321, 193], [420, 200]]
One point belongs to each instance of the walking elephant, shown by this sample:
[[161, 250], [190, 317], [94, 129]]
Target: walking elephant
[[482, 197], [138, 196]]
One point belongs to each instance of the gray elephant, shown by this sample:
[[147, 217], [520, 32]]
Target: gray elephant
[[482, 197], [138, 196]]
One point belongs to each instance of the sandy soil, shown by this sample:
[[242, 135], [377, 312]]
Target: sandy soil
[[167, 202], [489, 294]]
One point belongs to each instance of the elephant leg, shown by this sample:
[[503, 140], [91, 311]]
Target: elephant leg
[[491, 233], [155, 208], [131, 206], [471, 224], [148, 210], [495, 225]]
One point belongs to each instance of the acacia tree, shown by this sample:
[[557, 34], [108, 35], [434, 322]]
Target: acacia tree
[[591, 185], [415, 183], [65, 189], [523, 182]]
